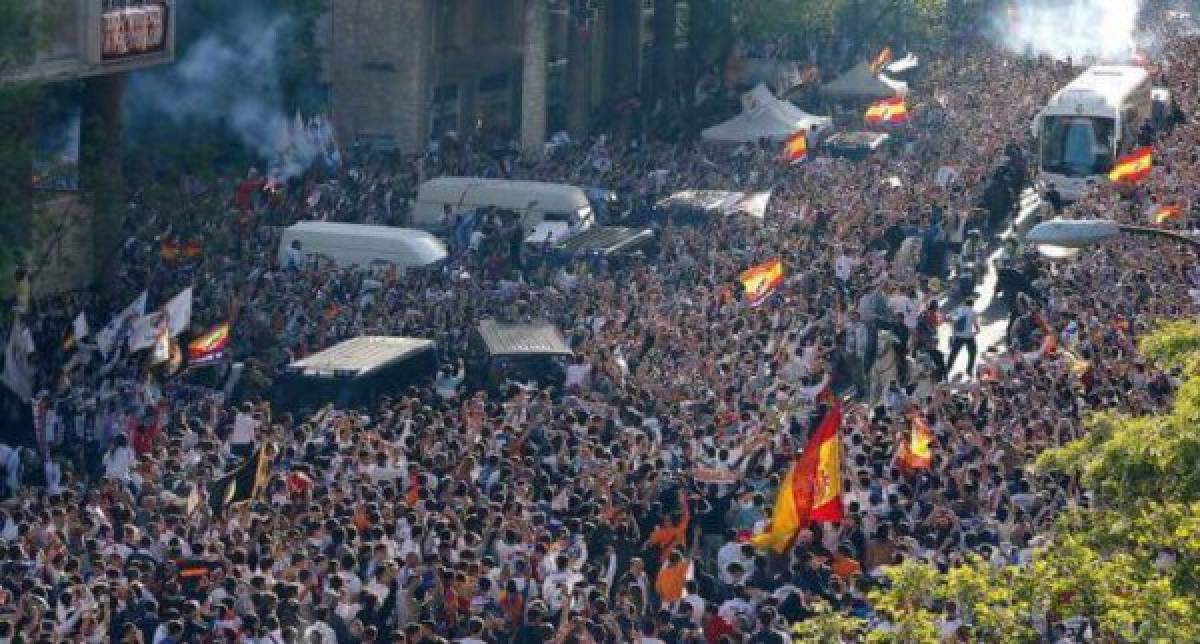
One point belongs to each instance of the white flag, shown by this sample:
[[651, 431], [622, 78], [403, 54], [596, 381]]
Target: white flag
[[18, 373], [179, 312], [143, 332], [106, 338], [162, 343], [79, 328]]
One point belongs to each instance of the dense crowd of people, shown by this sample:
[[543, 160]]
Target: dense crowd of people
[[581, 513]]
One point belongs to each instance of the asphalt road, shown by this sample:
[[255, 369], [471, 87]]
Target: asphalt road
[[992, 313]]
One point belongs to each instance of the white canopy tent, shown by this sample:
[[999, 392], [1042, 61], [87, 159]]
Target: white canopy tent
[[861, 82], [764, 117]]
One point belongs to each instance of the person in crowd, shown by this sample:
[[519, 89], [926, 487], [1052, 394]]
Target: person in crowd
[[620, 506]]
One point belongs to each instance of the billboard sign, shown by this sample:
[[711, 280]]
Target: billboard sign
[[133, 29]]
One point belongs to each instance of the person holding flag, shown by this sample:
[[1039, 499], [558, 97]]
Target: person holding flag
[[761, 281], [1134, 167], [812, 488], [795, 148], [915, 451]]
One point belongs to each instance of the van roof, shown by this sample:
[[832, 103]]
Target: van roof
[[607, 240], [425, 247], [360, 356], [538, 338], [461, 188], [1107, 85], [338, 228]]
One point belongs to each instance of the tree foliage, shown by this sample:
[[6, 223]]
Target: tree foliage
[[861, 21], [19, 29], [1128, 566]]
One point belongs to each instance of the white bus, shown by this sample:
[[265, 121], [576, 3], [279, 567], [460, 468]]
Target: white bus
[[1088, 124]]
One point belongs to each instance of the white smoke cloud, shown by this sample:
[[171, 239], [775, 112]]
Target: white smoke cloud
[[1104, 29], [231, 77]]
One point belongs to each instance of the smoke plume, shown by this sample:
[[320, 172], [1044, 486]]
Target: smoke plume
[[230, 78], [1103, 29]]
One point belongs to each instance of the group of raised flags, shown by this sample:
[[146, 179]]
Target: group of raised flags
[[1135, 167], [131, 330], [811, 490]]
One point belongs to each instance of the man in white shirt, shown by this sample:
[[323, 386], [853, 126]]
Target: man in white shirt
[[966, 327], [119, 459]]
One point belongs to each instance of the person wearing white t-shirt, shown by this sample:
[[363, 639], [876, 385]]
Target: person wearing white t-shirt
[[578, 374], [245, 428], [966, 327]]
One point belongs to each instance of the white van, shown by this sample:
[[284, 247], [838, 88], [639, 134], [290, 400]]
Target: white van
[[367, 247], [545, 208]]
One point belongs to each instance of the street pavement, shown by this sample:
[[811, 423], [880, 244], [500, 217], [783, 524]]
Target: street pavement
[[992, 313]]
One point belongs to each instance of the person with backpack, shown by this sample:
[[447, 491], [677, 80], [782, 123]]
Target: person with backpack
[[966, 327]]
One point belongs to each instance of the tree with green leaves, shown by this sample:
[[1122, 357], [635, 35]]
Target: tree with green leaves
[[863, 22], [1127, 566], [18, 42]]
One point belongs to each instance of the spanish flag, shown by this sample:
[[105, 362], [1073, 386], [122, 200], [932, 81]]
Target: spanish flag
[[890, 111], [795, 149], [915, 453], [1165, 213], [210, 346], [761, 281], [1133, 167], [812, 489]]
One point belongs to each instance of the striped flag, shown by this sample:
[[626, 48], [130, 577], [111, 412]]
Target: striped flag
[[761, 281], [795, 148], [811, 490], [1133, 167], [209, 347], [1164, 213], [889, 111], [915, 453]]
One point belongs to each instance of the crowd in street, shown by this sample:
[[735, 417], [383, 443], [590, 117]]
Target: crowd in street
[[579, 514]]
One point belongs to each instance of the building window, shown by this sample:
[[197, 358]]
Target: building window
[[447, 22], [493, 83], [493, 22], [444, 114]]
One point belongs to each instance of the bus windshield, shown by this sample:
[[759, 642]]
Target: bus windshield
[[1077, 146]]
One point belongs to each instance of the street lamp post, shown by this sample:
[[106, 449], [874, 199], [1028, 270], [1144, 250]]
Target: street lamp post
[[1075, 234]]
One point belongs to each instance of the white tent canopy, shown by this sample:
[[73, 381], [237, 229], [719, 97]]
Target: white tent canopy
[[764, 117], [861, 82]]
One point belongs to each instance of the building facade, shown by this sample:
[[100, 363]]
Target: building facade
[[404, 72], [68, 226]]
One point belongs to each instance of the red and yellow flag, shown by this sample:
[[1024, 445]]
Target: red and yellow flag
[[916, 452], [210, 346], [795, 148], [1165, 213], [762, 280], [1133, 167], [811, 490], [890, 111]]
